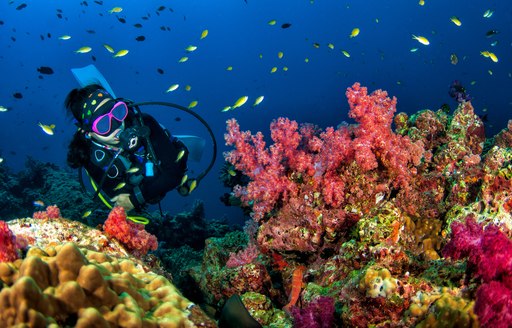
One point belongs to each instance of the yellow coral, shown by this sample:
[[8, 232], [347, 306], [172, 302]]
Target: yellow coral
[[450, 311], [84, 288], [378, 283]]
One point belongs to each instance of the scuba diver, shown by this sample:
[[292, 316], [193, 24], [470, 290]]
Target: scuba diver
[[132, 159], [127, 154]]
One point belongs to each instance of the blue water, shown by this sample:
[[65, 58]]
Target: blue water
[[238, 33]]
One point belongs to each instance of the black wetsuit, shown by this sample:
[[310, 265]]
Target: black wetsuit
[[141, 185]]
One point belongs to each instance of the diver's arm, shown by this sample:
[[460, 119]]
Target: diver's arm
[[124, 201]]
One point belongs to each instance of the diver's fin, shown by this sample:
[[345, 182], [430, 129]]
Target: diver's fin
[[195, 146], [90, 75], [234, 314]]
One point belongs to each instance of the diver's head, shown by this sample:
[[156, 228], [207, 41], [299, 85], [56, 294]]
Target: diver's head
[[98, 115]]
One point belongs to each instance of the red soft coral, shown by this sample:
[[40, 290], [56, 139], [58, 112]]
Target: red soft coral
[[301, 184], [8, 249], [129, 233]]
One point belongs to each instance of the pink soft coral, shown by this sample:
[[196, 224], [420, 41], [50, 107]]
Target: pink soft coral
[[51, 212], [129, 233], [302, 183], [8, 246], [489, 253]]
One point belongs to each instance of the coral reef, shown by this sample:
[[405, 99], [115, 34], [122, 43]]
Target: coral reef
[[50, 270], [69, 286], [49, 184], [367, 210]]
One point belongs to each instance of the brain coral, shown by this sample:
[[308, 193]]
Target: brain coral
[[68, 286]]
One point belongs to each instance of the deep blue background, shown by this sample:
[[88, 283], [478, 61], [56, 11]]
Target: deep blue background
[[238, 33]]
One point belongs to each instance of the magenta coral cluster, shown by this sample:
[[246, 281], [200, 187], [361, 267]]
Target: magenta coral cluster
[[489, 255], [301, 184], [317, 314]]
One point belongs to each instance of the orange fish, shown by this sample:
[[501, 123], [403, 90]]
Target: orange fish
[[297, 284]]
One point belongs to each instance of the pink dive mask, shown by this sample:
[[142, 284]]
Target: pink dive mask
[[105, 123]]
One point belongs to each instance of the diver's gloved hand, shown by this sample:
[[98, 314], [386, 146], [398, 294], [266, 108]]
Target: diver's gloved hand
[[124, 201]]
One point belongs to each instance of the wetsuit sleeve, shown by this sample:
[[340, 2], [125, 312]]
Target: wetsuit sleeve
[[171, 170]]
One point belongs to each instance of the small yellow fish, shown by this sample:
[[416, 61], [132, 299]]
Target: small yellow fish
[[273, 70], [260, 56], [473, 82], [121, 53], [231, 172], [173, 87], [355, 32], [272, 22], [204, 34], [421, 2], [120, 186], [83, 50], [39, 203], [488, 13], [3, 108], [229, 68], [316, 45], [180, 155], [188, 87], [132, 170], [345, 53], [225, 109], [109, 48], [240, 102], [64, 37], [306, 60], [490, 72], [258, 101], [285, 68], [192, 186], [183, 59], [48, 129], [456, 21], [86, 214], [190, 48], [413, 49], [421, 39], [115, 10], [330, 46], [184, 179], [454, 59], [280, 54], [490, 55], [1, 160], [192, 104]]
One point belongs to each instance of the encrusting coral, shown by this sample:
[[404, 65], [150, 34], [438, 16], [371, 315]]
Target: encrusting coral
[[68, 286]]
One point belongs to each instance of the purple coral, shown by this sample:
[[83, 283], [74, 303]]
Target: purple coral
[[489, 253], [318, 314]]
